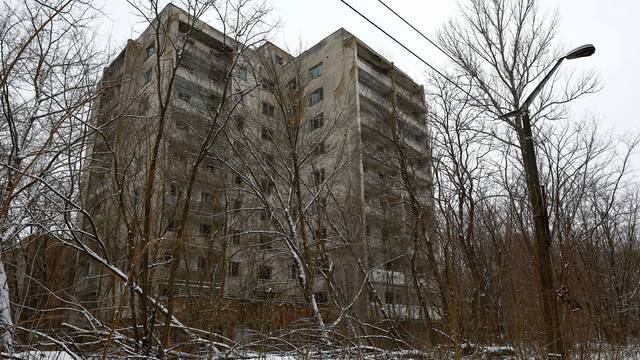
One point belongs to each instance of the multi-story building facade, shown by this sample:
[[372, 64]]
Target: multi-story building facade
[[312, 185]]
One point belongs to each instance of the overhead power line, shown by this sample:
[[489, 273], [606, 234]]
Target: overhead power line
[[409, 50], [456, 61], [418, 31]]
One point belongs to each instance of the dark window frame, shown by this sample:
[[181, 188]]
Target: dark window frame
[[265, 272], [316, 96], [316, 71]]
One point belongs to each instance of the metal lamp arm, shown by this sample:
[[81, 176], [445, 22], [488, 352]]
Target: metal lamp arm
[[534, 93]]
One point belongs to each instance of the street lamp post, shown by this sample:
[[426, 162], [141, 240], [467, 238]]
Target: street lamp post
[[539, 209]]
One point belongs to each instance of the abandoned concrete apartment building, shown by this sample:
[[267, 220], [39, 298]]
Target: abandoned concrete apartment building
[[336, 100]]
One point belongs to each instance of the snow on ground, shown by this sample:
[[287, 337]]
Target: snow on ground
[[45, 355], [613, 353]]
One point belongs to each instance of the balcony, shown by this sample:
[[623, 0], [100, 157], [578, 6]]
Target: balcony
[[409, 312], [388, 277], [381, 82]]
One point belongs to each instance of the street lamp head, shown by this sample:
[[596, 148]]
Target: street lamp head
[[581, 51]]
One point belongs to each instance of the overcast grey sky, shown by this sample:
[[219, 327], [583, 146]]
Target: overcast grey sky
[[612, 26]]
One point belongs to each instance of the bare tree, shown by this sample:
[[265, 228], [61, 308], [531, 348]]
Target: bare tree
[[47, 81], [501, 48]]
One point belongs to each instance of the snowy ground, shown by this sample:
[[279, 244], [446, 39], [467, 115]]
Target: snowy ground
[[614, 353]]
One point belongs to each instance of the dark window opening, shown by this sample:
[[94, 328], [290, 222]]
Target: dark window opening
[[316, 96], [292, 85], [264, 272], [205, 229], [150, 50], [267, 134], [317, 121], [319, 176], [242, 73], [172, 226], [319, 149], [268, 109], [389, 297], [147, 76], [321, 297], [265, 243], [266, 186], [184, 96], [234, 268], [206, 197], [315, 72]]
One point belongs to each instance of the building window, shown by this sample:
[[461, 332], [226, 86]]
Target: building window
[[268, 159], [317, 121], [235, 236], [239, 122], [268, 84], [319, 149], [267, 134], [147, 76], [316, 96], [184, 96], [237, 204], [315, 72], [189, 69], [172, 226], [242, 73], [321, 233], [205, 229], [234, 268], [323, 266], [266, 186], [264, 272], [292, 85], [265, 242], [293, 271], [268, 109], [202, 263], [321, 297], [180, 124], [319, 176], [151, 49], [206, 197], [278, 59], [389, 298], [292, 110]]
